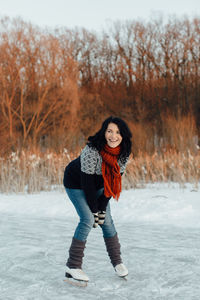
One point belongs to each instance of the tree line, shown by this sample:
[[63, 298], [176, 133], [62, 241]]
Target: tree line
[[56, 86]]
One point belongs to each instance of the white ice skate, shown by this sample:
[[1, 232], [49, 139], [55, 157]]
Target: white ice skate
[[121, 270], [76, 277]]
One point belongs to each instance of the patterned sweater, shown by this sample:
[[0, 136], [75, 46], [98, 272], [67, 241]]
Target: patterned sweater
[[85, 173]]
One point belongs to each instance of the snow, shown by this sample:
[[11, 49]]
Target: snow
[[158, 227]]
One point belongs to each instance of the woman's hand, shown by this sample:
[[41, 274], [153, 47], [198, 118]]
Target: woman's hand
[[101, 216], [96, 220]]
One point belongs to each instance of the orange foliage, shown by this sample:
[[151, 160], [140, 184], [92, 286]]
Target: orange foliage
[[57, 87]]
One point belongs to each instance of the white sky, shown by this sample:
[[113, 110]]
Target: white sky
[[94, 14]]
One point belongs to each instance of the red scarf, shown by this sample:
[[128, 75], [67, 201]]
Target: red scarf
[[111, 171]]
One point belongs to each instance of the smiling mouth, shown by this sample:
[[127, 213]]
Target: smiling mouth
[[113, 141]]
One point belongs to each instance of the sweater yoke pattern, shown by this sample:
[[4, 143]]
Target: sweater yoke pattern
[[91, 161]]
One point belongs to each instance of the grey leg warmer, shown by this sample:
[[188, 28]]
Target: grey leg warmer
[[76, 253], [113, 249]]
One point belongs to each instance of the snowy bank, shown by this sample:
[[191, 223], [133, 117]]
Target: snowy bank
[[157, 203]]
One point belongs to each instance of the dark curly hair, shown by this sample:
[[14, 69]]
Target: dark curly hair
[[98, 140]]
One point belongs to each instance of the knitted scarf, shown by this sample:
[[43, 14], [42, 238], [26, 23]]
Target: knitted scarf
[[111, 171]]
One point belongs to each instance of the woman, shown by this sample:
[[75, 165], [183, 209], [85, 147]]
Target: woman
[[90, 181]]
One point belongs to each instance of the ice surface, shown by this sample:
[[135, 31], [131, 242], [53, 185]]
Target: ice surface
[[158, 227]]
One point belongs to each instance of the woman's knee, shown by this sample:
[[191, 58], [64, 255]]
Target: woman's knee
[[83, 229], [108, 227], [108, 230], [87, 221]]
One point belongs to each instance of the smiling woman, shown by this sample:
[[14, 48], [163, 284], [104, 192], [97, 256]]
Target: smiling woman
[[90, 181], [113, 136]]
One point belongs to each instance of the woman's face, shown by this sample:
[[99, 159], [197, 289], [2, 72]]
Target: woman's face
[[112, 135]]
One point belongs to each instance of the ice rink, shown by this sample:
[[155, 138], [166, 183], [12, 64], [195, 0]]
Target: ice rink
[[159, 231]]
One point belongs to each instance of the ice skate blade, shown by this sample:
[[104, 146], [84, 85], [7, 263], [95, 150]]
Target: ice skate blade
[[75, 282], [125, 278]]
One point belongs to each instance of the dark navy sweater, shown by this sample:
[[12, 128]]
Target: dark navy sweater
[[85, 173]]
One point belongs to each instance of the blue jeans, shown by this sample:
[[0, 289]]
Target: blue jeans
[[78, 199]]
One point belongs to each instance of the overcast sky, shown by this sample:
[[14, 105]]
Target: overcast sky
[[94, 14]]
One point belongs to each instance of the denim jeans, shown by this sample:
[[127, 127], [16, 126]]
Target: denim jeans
[[78, 199]]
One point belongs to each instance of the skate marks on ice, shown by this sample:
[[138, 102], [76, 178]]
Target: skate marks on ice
[[165, 262], [30, 257], [163, 259], [160, 267]]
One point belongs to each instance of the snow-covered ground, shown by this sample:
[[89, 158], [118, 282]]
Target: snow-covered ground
[[159, 231]]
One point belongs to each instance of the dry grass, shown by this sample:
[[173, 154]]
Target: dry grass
[[168, 167], [35, 172], [180, 133], [32, 172]]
